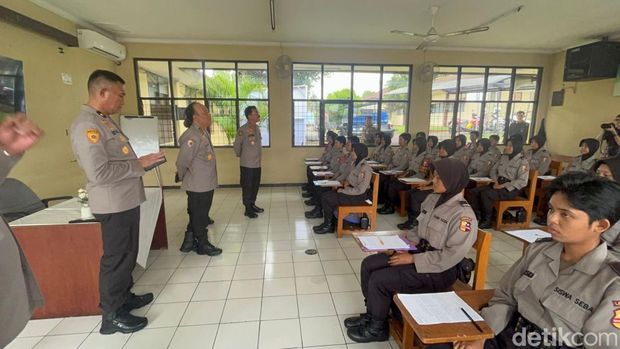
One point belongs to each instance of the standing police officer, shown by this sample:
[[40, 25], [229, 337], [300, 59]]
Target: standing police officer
[[248, 149], [115, 189], [196, 167]]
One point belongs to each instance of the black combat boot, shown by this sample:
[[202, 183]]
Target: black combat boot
[[189, 244], [317, 212], [121, 321], [355, 321], [373, 331]]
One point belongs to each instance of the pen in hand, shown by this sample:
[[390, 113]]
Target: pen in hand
[[472, 320]]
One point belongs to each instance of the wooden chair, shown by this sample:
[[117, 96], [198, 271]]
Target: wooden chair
[[402, 209], [527, 203], [556, 168], [483, 249], [369, 210]]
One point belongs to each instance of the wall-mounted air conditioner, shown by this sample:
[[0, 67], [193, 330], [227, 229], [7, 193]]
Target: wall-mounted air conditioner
[[95, 42]]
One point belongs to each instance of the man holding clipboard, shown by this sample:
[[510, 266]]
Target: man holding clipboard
[[114, 174]]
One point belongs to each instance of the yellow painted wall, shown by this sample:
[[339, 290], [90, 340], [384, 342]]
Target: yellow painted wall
[[49, 168], [281, 162], [587, 105]]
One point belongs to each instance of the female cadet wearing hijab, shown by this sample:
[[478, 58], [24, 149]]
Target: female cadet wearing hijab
[[483, 160], [399, 162], [462, 152], [416, 196], [584, 162], [510, 175], [354, 191], [563, 292], [384, 152], [538, 156], [325, 159], [337, 158], [416, 168], [610, 169], [447, 231]]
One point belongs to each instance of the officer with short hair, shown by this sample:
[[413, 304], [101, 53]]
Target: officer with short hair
[[114, 174], [248, 149], [196, 167]]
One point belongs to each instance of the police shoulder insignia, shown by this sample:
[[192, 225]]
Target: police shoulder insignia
[[93, 135], [615, 319], [125, 150], [465, 224], [615, 266], [190, 143]]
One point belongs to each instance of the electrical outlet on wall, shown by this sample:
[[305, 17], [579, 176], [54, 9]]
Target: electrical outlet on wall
[[67, 79]]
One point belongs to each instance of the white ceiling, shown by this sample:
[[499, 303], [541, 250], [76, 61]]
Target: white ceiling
[[543, 25]]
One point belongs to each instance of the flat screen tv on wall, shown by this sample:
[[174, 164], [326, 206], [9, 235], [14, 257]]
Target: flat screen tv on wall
[[12, 98]]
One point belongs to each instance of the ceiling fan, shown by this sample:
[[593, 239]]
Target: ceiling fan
[[432, 35]]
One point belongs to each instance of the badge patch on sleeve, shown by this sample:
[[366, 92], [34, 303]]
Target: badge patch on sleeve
[[125, 150], [615, 319], [93, 135], [465, 225]]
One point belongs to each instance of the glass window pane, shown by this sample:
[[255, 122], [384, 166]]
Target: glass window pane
[[253, 82], [468, 117], [396, 83], [395, 114], [498, 87], [224, 122], [263, 111], [306, 123], [365, 121], [501, 71], [337, 82], [526, 82], [220, 82], [444, 86], [473, 70], [306, 81], [187, 78], [179, 113], [494, 119], [366, 80], [153, 79], [337, 118], [472, 87], [516, 127], [220, 65], [446, 69], [161, 109], [441, 119]]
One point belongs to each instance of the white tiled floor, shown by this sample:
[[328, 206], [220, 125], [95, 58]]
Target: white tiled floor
[[262, 292]]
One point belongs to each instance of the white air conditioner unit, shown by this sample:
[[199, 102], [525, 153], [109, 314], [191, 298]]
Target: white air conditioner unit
[[93, 41]]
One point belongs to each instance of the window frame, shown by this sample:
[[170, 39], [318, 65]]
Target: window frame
[[349, 101], [483, 102], [204, 98]]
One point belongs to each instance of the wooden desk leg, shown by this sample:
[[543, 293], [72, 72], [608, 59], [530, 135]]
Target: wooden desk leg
[[408, 336], [525, 245]]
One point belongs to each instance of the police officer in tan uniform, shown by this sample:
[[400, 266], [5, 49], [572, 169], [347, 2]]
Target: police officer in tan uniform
[[510, 175], [115, 189], [462, 152], [19, 292], [483, 160], [494, 149], [196, 167], [369, 132], [325, 158], [538, 156], [446, 232], [337, 157], [248, 147], [399, 162], [562, 293], [432, 148], [585, 161]]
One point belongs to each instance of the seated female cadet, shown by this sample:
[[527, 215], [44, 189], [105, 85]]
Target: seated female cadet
[[565, 289], [325, 158], [462, 152], [337, 158], [483, 160], [432, 150], [383, 153], [510, 173], [416, 196], [610, 169], [415, 168], [399, 162], [538, 156], [584, 162], [354, 191], [447, 231]]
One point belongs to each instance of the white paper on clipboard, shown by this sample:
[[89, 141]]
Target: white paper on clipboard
[[142, 132]]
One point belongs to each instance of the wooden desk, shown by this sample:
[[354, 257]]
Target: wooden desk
[[414, 182], [446, 333], [65, 260]]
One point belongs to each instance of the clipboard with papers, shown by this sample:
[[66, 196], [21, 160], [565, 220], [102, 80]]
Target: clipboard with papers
[[313, 163], [318, 168], [528, 235], [311, 159], [322, 173], [327, 183], [383, 241], [391, 172]]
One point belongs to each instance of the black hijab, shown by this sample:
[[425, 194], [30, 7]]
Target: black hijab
[[593, 146], [517, 146], [462, 139], [361, 151], [434, 139], [613, 164], [387, 141], [485, 143], [540, 141], [449, 146], [454, 176], [421, 144]]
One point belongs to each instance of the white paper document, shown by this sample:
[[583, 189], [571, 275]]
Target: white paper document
[[529, 235], [371, 162], [391, 172], [546, 178], [311, 159], [438, 308], [318, 168], [481, 179], [313, 163], [322, 173], [384, 242], [327, 183], [409, 180]]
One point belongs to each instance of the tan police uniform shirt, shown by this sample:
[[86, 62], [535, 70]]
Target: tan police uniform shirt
[[112, 169], [196, 165], [335, 161], [358, 179], [463, 155], [326, 153], [451, 228], [581, 298], [369, 134], [581, 165], [19, 292], [345, 168], [495, 151], [386, 156], [517, 171], [481, 164], [400, 160], [414, 165], [432, 154], [612, 239], [539, 161], [248, 146]]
